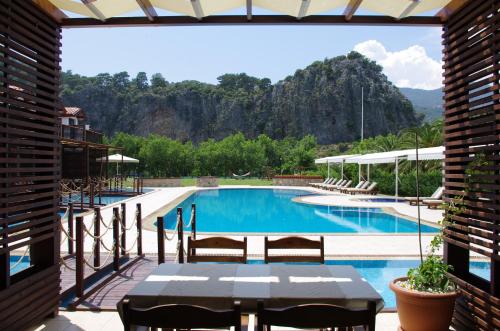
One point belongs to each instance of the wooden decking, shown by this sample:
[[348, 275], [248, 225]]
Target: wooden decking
[[107, 296]]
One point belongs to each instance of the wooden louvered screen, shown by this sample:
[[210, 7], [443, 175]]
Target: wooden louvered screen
[[29, 163], [472, 165]]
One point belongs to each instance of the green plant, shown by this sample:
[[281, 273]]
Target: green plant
[[432, 274]]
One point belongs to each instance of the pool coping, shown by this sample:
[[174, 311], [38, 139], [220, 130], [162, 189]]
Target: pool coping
[[149, 220]]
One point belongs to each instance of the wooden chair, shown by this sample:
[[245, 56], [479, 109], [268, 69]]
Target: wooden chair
[[318, 316], [216, 243], [294, 243], [180, 316]]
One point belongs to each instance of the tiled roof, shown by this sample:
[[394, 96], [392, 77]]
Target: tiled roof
[[73, 111]]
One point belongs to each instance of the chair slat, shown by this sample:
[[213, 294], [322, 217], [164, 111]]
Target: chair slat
[[295, 243]]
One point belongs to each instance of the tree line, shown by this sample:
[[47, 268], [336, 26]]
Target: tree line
[[160, 156]]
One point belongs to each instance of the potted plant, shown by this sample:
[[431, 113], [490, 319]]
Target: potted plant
[[425, 298]]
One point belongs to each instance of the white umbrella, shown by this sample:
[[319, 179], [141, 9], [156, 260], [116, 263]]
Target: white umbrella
[[117, 158]]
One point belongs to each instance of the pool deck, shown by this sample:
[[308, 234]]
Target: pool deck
[[359, 246]]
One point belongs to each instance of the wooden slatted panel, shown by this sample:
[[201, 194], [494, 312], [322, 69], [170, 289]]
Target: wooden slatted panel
[[472, 165], [29, 162]]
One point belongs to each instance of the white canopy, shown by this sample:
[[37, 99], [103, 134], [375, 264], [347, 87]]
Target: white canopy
[[103, 9], [117, 158], [430, 153]]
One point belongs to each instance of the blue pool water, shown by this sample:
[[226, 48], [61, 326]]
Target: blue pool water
[[25, 263], [380, 272], [273, 211]]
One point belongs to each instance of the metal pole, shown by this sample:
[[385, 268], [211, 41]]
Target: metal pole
[[397, 175], [116, 240], [418, 201], [124, 228], [359, 172], [328, 163], [342, 170], [70, 228], [368, 172], [362, 114]]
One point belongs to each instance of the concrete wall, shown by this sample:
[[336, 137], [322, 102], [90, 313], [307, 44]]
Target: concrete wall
[[162, 182], [296, 180]]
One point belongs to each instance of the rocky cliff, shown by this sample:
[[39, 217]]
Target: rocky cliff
[[323, 99]]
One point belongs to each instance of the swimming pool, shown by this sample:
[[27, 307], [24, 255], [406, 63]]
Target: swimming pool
[[383, 200], [380, 272], [273, 211], [17, 265]]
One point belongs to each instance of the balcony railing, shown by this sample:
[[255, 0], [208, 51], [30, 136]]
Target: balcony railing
[[79, 133]]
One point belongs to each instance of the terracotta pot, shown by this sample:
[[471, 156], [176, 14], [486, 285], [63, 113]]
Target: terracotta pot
[[421, 311]]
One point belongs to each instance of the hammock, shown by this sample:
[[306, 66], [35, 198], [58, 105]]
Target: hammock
[[241, 176]]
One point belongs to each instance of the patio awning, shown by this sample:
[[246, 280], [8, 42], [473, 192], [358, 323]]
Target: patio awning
[[117, 158], [379, 158], [104, 9], [430, 153]]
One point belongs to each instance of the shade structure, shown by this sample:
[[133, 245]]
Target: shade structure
[[104, 9], [117, 158], [430, 153]]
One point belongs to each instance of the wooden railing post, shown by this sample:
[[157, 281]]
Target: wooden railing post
[[91, 195], [82, 196], [116, 239], [71, 230], [161, 240], [79, 273], [142, 185], [100, 193], [193, 224], [180, 235], [97, 233], [124, 228], [139, 229]]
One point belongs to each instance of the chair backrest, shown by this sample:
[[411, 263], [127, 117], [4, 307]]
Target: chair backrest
[[317, 316], [346, 185], [372, 186], [331, 181], [365, 185], [216, 243], [180, 316], [341, 182], [438, 193], [294, 243], [360, 184]]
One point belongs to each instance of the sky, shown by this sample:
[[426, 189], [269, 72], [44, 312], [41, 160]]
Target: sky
[[410, 56]]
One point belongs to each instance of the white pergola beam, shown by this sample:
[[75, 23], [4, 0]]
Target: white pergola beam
[[351, 8], [198, 11], [249, 10], [409, 9], [89, 4], [148, 9], [304, 6]]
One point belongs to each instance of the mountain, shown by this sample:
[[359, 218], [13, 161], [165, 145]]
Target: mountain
[[322, 99], [427, 102]]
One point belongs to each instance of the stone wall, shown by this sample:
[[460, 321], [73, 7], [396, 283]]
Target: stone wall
[[296, 180], [207, 181], [162, 182]]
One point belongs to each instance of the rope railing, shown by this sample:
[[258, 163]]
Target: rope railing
[[85, 231], [163, 234], [20, 260]]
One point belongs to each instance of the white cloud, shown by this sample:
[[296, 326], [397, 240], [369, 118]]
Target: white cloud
[[410, 67]]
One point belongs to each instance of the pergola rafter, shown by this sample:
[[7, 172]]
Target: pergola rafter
[[148, 9], [351, 8]]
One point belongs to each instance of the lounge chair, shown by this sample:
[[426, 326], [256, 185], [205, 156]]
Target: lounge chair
[[324, 182], [345, 189], [372, 189], [339, 187], [340, 182], [433, 203], [332, 182], [438, 193], [362, 187]]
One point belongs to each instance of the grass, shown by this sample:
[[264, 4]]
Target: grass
[[231, 181]]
